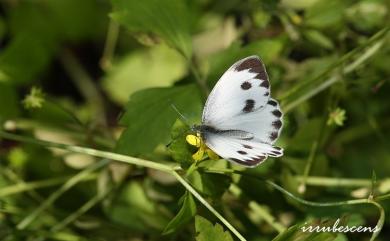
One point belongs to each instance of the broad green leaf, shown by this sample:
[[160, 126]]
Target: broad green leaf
[[149, 117], [158, 66], [24, 58], [187, 211], [206, 231], [169, 19]]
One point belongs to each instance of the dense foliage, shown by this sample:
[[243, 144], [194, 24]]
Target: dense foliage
[[92, 149]]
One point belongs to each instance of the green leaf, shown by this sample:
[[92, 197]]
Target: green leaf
[[168, 19], [158, 66], [187, 211], [24, 58], [149, 117], [206, 231]]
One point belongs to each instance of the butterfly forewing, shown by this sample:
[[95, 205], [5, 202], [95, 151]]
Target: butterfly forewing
[[243, 88]]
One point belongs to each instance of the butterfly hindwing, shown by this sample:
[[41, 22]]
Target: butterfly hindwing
[[243, 88], [244, 152]]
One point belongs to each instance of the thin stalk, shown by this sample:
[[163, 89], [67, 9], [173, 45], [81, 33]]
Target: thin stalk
[[199, 80], [313, 151], [334, 182], [207, 205], [90, 151], [380, 222], [109, 47], [26, 124]]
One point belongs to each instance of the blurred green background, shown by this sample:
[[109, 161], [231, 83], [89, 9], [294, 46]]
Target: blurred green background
[[103, 74]]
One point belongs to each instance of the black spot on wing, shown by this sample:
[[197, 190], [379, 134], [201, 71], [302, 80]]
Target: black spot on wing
[[255, 65], [262, 74], [277, 124], [249, 105], [273, 135], [265, 84], [277, 148], [266, 93], [251, 162], [247, 146], [242, 152], [246, 85], [277, 113], [251, 63], [272, 102]]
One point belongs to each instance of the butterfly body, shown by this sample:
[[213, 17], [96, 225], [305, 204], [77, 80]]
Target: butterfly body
[[240, 121]]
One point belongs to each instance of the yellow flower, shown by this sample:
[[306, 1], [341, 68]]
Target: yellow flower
[[196, 140]]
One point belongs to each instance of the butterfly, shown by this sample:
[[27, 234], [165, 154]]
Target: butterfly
[[240, 120]]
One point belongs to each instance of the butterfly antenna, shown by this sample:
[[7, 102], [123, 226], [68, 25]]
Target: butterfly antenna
[[182, 117]]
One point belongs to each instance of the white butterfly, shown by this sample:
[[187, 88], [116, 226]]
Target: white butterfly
[[240, 120]]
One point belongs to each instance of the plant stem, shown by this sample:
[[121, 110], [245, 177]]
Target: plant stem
[[92, 152], [334, 182], [313, 151], [207, 205], [109, 47], [199, 80]]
